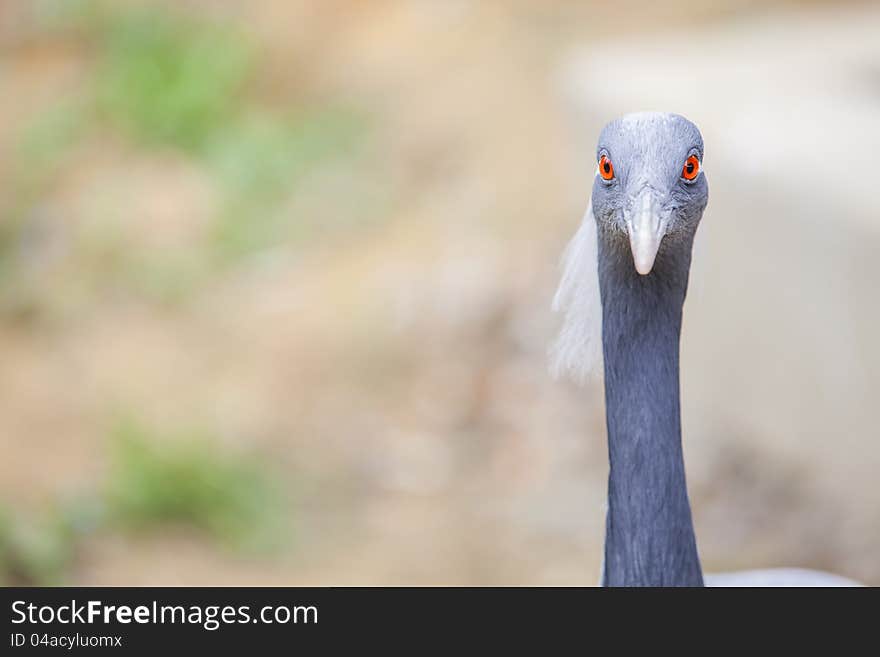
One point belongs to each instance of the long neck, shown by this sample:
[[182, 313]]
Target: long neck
[[649, 535]]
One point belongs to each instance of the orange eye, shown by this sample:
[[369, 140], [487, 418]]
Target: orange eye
[[691, 168], [606, 169]]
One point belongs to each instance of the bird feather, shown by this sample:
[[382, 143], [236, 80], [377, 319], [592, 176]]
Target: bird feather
[[577, 351]]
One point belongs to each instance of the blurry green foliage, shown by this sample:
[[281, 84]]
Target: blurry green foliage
[[171, 80], [258, 162], [167, 79], [34, 162], [39, 550], [186, 480], [163, 80], [49, 135], [63, 15], [166, 280], [163, 75], [36, 158], [154, 482]]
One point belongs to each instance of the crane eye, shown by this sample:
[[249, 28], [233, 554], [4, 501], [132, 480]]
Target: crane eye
[[606, 169], [691, 168]]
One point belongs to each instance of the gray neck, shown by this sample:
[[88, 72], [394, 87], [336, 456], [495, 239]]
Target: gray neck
[[649, 536]]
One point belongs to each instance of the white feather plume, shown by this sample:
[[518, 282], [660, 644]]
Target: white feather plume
[[577, 351]]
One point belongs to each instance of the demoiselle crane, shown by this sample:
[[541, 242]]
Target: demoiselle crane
[[624, 282]]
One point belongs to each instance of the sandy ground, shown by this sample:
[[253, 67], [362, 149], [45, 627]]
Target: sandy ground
[[396, 373]]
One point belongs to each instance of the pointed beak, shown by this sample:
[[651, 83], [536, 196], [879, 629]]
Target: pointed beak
[[646, 225]]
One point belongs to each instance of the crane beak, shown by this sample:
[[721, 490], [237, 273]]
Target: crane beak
[[646, 226]]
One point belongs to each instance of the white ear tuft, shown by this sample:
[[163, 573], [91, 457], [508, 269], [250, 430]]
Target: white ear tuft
[[577, 351]]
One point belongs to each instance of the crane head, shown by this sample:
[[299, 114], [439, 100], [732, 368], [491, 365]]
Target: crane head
[[649, 183], [649, 193]]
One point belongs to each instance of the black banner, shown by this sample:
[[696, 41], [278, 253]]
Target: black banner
[[135, 619]]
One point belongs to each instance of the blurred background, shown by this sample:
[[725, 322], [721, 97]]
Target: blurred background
[[275, 283]]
